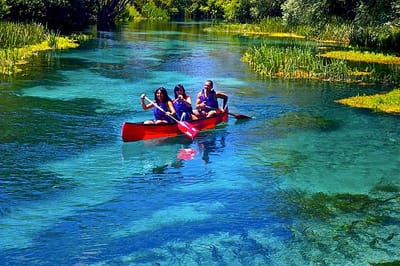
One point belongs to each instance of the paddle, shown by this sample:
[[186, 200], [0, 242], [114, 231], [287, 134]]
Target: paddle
[[183, 126], [237, 116]]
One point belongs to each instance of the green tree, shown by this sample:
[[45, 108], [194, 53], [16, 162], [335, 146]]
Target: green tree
[[377, 24], [304, 12], [56, 14], [150, 10], [4, 8], [107, 11]]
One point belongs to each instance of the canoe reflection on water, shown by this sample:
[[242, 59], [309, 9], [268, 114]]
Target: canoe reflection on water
[[174, 151]]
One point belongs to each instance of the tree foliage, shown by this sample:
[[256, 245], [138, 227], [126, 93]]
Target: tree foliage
[[373, 20], [107, 11], [64, 15]]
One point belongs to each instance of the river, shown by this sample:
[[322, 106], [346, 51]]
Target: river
[[307, 181]]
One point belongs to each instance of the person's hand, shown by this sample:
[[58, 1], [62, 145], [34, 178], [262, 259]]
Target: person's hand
[[180, 97], [143, 96]]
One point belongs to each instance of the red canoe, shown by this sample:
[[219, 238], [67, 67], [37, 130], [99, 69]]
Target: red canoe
[[131, 131]]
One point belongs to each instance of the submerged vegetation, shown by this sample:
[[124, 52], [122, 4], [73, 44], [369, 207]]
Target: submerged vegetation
[[352, 224], [389, 102], [303, 121]]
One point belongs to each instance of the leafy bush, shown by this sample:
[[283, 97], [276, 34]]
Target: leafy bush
[[150, 10]]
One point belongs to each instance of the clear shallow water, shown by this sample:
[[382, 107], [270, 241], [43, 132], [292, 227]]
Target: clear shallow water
[[307, 182]]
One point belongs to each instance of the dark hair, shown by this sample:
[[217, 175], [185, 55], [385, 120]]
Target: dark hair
[[163, 92], [177, 87]]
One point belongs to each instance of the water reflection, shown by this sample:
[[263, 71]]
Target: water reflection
[[210, 145]]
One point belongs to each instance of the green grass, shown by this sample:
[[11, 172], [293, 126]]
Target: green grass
[[363, 56], [20, 41], [302, 60], [297, 62], [388, 102]]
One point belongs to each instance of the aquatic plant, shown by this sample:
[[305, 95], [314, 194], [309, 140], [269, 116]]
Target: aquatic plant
[[303, 61], [386, 188], [289, 62], [274, 27], [15, 35], [304, 121], [323, 206], [363, 56], [388, 102], [20, 41], [387, 263]]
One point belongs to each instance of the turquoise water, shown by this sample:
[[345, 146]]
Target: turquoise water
[[306, 182]]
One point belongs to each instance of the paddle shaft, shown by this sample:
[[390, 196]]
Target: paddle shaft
[[159, 108], [237, 116], [183, 126]]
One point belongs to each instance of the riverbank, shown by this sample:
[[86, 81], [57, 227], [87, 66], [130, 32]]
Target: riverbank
[[19, 42], [11, 64]]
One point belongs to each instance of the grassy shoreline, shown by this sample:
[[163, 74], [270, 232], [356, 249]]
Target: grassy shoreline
[[10, 65], [19, 42]]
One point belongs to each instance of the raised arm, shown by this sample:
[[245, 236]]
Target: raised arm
[[144, 105]]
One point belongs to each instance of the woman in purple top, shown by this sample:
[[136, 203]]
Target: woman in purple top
[[182, 104], [162, 99]]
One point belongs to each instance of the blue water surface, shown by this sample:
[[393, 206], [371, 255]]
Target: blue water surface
[[307, 181]]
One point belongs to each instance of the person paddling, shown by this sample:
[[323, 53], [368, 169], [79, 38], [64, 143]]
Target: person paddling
[[183, 104], [207, 101], [162, 99]]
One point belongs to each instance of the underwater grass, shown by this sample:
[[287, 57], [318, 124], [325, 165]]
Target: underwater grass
[[388, 102], [347, 225]]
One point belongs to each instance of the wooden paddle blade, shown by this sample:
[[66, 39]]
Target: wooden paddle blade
[[187, 129]]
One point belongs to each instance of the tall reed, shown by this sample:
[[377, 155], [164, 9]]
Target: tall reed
[[301, 61], [14, 36]]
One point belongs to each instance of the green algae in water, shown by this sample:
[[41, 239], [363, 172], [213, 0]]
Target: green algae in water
[[323, 206], [304, 121], [391, 263], [386, 188], [353, 224]]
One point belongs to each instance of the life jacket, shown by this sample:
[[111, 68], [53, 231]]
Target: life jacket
[[210, 100], [160, 115], [183, 112]]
